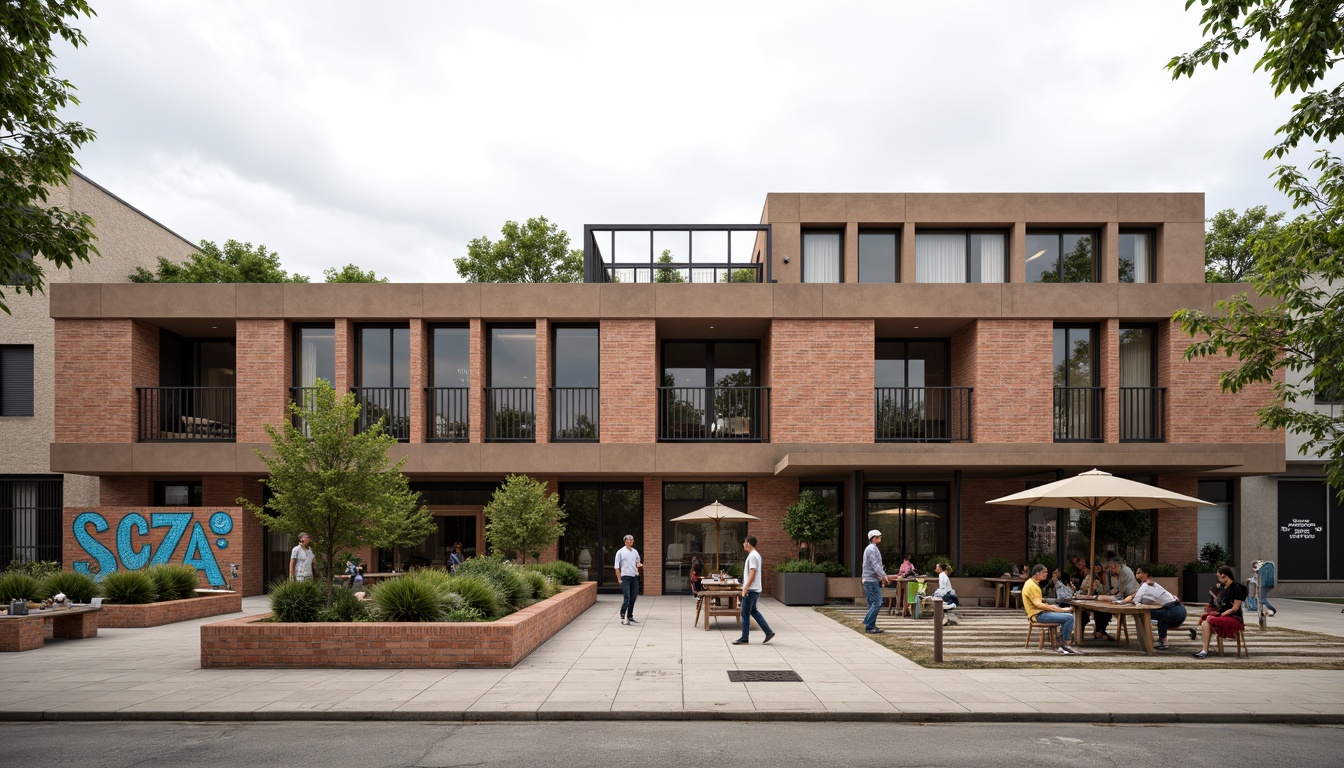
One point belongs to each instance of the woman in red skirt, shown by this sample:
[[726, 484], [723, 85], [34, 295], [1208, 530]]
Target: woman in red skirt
[[1225, 619]]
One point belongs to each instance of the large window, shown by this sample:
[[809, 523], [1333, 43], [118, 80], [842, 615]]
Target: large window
[[912, 400], [314, 355], [574, 404], [450, 381], [177, 493], [822, 256], [1214, 524], [879, 256], [709, 391], [912, 519], [960, 257], [1077, 408], [1136, 257], [1142, 404], [30, 519], [1061, 257], [597, 518], [384, 377], [685, 540], [511, 383], [16, 380], [832, 494]]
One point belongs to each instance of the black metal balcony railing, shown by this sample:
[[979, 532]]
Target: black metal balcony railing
[[201, 414], [574, 414], [713, 414], [447, 414], [1143, 414], [510, 414], [391, 404], [922, 414], [695, 253], [1078, 414]]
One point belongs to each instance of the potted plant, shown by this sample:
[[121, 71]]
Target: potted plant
[[1199, 576], [806, 521]]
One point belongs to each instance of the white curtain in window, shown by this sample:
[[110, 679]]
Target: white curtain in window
[[991, 257], [821, 257], [1141, 261], [1136, 358], [309, 357], [940, 258]]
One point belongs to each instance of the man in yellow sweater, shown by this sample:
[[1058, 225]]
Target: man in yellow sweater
[[1044, 613]]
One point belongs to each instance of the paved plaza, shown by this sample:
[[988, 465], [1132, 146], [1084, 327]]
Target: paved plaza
[[661, 668]]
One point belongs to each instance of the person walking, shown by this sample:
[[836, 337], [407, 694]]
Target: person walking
[[751, 593], [456, 557], [628, 566], [1264, 575], [874, 577], [301, 559]]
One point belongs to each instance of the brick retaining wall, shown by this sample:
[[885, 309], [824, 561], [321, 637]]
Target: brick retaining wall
[[169, 612], [250, 643]]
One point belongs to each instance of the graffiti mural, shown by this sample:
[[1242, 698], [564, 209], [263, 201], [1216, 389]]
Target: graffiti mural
[[146, 538]]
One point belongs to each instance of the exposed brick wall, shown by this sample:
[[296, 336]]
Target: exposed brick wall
[[170, 612], [1197, 410], [768, 499], [72, 551], [543, 380], [345, 356], [248, 643], [1177, 539], [476, 395], [98, 365], [420, 349], [652, 551], [1108, 376], [263, 376], [991, 531], [628, 354], [821, 378], [123, 491], [248, 551], [1014, 384]]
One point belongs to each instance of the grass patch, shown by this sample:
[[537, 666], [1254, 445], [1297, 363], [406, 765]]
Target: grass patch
[[922, 655]]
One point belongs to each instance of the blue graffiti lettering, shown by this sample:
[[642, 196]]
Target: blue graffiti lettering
[[177, 524], [198, 554], [107, 562], [133, 559]]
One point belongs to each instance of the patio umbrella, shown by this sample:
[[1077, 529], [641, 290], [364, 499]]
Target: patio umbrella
[[714, 513], [1096, 491]]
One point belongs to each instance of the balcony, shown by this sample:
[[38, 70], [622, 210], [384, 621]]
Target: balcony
[[510, 414], [391, 404], [676, 253], [922, 414], [574, 414], [196, 414], [1078, 414], [1143, 414], [713, 414], [447, 414]]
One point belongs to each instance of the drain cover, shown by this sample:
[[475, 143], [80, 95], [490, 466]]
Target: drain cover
[[763, 676]]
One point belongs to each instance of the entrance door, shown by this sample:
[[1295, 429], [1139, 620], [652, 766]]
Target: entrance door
[[452, 524], [597, 518]]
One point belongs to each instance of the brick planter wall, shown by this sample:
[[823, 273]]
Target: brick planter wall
[[251, 643], [169, 612]]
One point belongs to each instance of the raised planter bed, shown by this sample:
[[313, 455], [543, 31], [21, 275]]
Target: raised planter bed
[[170, 611], [251, 643], [800, 588]]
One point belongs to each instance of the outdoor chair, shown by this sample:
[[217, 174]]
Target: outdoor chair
[[1048, 632], [1241, 644]]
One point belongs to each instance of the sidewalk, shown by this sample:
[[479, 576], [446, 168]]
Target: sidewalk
[[661, 668]]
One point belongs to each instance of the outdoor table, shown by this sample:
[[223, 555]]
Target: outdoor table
[[1142, 614], [372, 578], [722, 598], [898, 600], [24, 633], [1003, 586]]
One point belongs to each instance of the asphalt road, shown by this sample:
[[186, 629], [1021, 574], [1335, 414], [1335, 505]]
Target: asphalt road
[[659, 745]]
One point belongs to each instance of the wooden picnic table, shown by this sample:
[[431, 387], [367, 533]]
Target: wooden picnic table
[[1003, 586], [900, 598], [24, 633], [1142, 615], [721, 598]]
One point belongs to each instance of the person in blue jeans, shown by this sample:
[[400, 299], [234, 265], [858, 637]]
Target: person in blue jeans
[[1042, 612], [751, 593], [628, 566], [1264, 573], [874, 577]]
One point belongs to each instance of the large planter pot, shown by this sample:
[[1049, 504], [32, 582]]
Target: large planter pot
[[1195, 587], [844, 588], [800, 588]]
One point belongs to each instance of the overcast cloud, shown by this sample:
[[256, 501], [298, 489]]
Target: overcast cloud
[[390, 134]]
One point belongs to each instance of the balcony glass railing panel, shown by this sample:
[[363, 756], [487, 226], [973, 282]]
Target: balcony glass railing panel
[[711, 414], [922, 414], [200, 414]]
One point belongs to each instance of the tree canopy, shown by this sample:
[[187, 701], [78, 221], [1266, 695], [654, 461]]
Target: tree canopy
[[535, 252], [351, 274], [1296, 323], [37, 147], [521, 520], [335, 484], [808, 521], [1232, 240], [234, 263]]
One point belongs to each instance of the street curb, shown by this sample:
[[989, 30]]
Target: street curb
[[1095, 718]]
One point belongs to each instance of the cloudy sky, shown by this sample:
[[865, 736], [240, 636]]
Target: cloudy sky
[[390, 134]]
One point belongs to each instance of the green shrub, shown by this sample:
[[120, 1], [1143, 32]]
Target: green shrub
[[1047, 559], [1214, 555], [994, 566], [927, 563], [564, 573], [437, 578], [297, 601], [1162, 569], [799, 566], [173, 582], [734, 570], [1199, 566], [344, 607], [129, 588], [478, 593], [541, 585], [38, 569], [835, 569], [507, 578], [408, 598], [458, 609], [16, 585], [79, 587]]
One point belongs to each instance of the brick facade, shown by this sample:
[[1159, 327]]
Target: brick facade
[[628, 359], [107, 551], [1197, 411], [821, 381], [1013, 378], [170, 612], [263, 362]]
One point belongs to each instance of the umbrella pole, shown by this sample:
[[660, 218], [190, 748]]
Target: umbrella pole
[[716, 547], [1092, 561]]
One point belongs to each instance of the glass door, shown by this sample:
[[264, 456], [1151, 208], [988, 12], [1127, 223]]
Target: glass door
[[597, 518]]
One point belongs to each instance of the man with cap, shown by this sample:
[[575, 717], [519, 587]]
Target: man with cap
[[874, 576]]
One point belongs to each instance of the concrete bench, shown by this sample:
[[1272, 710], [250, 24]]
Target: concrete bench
[[24, 633]]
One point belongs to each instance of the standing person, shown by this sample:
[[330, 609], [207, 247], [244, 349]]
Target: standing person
[[1168, 615], [628, 566], [301, 559], [874, 576], [1264, 572], [455, 558], [945, 591], [1225, 619], [751, 593], [1044, 613]]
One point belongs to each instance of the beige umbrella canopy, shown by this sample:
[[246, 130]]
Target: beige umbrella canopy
[[714, 513], [1097, 491]]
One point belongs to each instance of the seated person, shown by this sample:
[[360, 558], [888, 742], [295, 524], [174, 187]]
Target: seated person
[[1077, 571], [1043, 613], [1169, 613], [1225, 617], [1061, 591], [697, 573], [944, 591], [1122, 584]]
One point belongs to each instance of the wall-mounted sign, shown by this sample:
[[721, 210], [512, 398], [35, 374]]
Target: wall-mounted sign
[[126, 539]]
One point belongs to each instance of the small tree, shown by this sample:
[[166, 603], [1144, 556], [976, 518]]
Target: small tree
[[351, 274], [667, 275], [809, 520], [534, 252], [234, 263], [334, 483], [521, 520]]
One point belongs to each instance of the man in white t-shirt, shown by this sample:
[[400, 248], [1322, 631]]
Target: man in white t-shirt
[[628, 565], [751, 593], [301, 559]]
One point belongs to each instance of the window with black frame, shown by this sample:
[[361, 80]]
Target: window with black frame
[[1061, 256], [913, 519], [30, 518], [961, 256], [710, 391], [16, 380], [314, 359], [912, 399], [682, 541], [449, 383], [823, 256], [879, 255], [1137, 260], [833, 495], [1142, 402], [511, 384], [598, 516], [384, 377], [1077, 405], [576, 372]]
